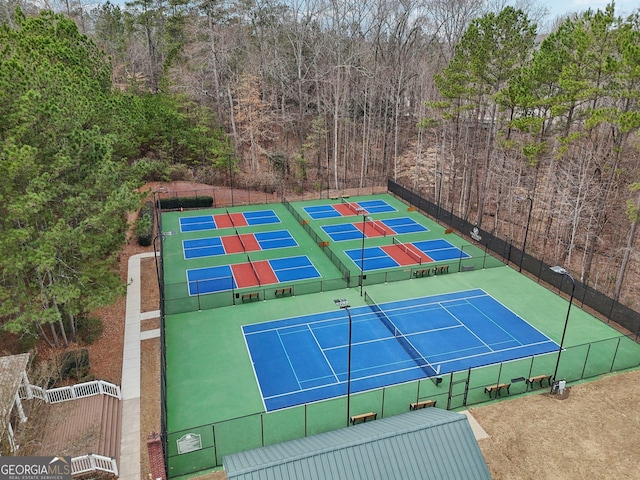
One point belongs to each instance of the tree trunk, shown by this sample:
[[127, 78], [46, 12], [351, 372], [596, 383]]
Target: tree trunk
[[44, 335], [72, 325], [56, 342]]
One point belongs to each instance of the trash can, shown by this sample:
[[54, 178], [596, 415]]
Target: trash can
[[561, 385]]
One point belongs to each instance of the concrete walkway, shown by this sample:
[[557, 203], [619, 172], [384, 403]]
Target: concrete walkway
[[478, 431], [129, 468]]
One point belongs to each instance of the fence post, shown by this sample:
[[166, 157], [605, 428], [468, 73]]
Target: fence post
[[615, 354], [156, 456], [586, 359]]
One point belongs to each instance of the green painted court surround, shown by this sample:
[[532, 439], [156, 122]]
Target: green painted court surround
[[211, 389]]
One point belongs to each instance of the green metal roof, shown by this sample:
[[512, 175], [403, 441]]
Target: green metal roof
[[431, 443]]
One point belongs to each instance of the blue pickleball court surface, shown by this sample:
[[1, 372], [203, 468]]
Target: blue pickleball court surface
[[203, 247], [318, 212], [208, 222], [194, 224], [440, 250], [404, 225], [212, 246], [371, 258], [349, 231], [304, 359], [294, 268], [262, 217], [377, 258], [223, 277], [376, 206]]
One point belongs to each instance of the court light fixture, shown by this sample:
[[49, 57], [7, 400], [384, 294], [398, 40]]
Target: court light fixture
[[365, 217], [560, 270], [564, 272], [343, 303]]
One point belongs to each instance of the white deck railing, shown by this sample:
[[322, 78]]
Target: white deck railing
[[92, 463], [72, 392]]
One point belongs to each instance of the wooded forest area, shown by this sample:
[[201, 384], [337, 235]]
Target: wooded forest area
[[505, 118]]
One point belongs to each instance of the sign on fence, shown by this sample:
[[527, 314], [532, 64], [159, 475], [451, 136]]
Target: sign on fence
[[189, 443]]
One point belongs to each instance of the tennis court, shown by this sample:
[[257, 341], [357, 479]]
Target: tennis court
[[304, 359]]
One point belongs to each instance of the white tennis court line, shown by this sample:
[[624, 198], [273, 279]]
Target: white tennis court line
[[315, 339], [473, 334], [478, 355], [286, 352], [335, 375], [253, 367], [353, 380]]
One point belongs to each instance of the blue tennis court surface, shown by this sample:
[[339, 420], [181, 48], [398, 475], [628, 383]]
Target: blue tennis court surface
[[349, 231], [304, 359]]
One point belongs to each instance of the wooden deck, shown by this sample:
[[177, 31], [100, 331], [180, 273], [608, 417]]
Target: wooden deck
[[83, 426]]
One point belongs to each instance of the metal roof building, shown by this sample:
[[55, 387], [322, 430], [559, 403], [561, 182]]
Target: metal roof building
[[431, 443]]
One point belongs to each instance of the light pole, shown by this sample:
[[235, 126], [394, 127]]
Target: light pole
[[344, 304], [563, 271], [526, 230], [364, 224]]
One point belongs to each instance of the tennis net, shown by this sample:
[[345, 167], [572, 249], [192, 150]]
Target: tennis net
[[422, 362], [244, 247], [407, 250], [354, 206], [255, 272], [378, 227], [230, 218]]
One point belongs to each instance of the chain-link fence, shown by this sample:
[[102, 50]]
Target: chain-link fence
[[456, 390], [607, 307]]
